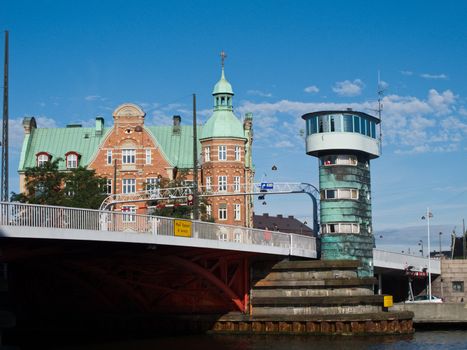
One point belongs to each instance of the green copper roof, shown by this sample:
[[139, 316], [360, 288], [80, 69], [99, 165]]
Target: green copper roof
[[223, 124], [177, 147], [59, 141], [222, 86]]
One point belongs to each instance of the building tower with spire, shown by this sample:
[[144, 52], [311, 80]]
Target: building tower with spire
[[226, 153], [344, 142]]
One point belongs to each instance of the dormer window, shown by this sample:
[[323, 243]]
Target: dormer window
[[71, 160], [42, 158]]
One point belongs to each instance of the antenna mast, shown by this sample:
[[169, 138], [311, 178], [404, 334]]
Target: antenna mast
[[4, 189], [380, 92]]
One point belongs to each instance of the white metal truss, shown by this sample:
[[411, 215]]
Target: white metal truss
[[253, 189]]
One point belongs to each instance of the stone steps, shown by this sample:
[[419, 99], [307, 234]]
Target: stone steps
[[311, 287], [303, 292]]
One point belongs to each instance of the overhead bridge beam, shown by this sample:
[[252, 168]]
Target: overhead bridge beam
[[254, 189]]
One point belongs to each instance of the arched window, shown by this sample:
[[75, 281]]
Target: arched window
[[42, 158], [71, 160]]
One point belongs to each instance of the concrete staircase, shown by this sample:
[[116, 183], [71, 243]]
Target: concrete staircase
[[315, 288]]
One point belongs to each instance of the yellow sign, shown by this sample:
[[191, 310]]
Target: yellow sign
[[182, 228], [388, 301]]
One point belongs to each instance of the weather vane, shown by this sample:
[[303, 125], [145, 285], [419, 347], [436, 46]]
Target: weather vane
[[223, 57]]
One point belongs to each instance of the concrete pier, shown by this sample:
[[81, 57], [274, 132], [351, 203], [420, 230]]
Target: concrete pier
[[316, 297], [435, 313]]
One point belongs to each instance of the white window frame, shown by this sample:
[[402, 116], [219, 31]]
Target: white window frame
[[340, 160], [207, 153], [236, 185], [68, 192], [222, 212], [238, 150], [129, 213], [108, 186], [152, 183], [337, 227], [340, 193], [148, 156], [208, 183], [128, 156], [222, 183], [237, 212], [222, 153], [72, 161], [42, 159], [129, 185], [209, 211], [108, 157]]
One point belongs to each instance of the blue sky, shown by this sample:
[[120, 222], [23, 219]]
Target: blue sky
[[73, 60]]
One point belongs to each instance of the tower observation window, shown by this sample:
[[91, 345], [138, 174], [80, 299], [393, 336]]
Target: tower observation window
[[356, 123], [373, 130], [348, 123], [340, 227], [340, 193], [341, 123], [362, 126], [339, 160]]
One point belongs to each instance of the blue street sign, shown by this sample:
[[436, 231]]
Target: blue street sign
[[267, 185]]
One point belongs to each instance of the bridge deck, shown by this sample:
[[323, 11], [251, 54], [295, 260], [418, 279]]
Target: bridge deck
[[49, 222]]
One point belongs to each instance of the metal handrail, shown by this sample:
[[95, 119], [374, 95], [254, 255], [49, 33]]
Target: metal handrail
[[35, 215]]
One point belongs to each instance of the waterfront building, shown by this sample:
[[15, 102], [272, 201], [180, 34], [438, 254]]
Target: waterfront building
[[344, 142], [134, 157]]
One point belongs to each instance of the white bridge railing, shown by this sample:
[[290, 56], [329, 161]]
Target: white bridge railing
[[40, 216]]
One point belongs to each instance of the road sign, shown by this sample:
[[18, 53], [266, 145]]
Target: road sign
[[267, 185], [182, 228], [189, 199]]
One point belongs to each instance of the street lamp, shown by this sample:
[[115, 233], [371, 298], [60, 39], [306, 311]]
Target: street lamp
[[420, 243], [427, 218], [440, 244]]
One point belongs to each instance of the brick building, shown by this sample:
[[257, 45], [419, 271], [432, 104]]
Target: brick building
[[133, 156]]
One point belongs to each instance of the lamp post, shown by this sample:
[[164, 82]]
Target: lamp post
[[427, 218], [420, 243], [440, 244]]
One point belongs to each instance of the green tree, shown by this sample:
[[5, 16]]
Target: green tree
[[83, 189], [45, 184]]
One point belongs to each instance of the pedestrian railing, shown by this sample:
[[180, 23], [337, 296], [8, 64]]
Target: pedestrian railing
[[32, 215]]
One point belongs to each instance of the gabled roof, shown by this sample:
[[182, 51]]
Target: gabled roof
[[57, 142], [176, 147]]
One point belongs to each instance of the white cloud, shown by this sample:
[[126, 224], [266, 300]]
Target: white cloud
[[312, 89], [410, 124], [259, 93], [383, 84], [348, 88], [284, 144], [406, 72], [16, 131], [433, 76], [443, 102], [95, 98]]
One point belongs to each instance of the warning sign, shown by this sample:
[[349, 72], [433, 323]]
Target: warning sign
[[182, 228]]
